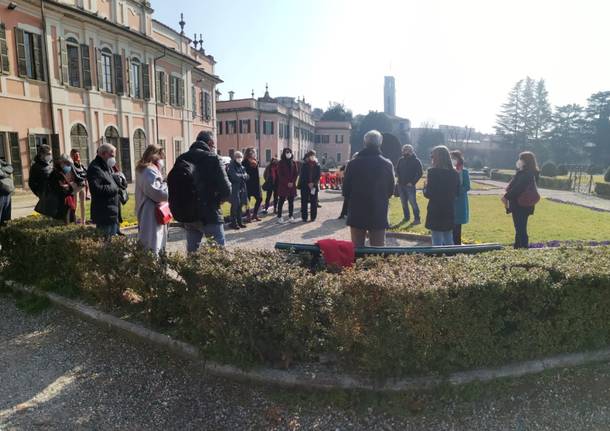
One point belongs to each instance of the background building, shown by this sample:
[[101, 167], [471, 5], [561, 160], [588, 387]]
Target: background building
[[76, 73], [389, 96], [332, 142], [267, 124]]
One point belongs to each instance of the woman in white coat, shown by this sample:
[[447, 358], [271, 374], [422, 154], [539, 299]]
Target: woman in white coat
[[151, 190]]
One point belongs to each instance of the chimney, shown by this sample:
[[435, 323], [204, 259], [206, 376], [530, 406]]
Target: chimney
[[231, 94]]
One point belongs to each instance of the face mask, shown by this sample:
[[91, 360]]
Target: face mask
[[66, 169], [454, 163], [47, 158], [239, 160], [519, 164], [289, 156], [161, 163], [111, 162]]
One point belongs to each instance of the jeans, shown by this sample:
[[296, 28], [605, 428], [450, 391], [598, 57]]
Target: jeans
[[236, 206], [408, 195], [196, 231], [280, 206], [442, 237], [257, 203], [108, 229], [5, 209], [520, 222], [308, 199], [376, 237], [271, 193]]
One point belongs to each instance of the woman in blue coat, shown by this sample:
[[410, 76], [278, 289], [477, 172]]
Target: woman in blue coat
[[462, 212]]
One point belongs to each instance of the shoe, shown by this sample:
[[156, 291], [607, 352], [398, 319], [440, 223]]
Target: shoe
[[234, 226], [319, 206], [256, 219], [241, 225], [292, 220], [416, 222], [265, 212], [248, 216], [281, 220]]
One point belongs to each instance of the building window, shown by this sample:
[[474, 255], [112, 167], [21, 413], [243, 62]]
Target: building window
[[177, 148], [136, 78], [338, 157], [257, 129], [267, 156], [287, 132], [325, 139], [281, 130], [231, 127], [164, 147], [176, 91], [106, 70], [139, 143], [78, 139], [207, 106], [73, 51], [317, 139], [219, 127], [338, 139], [268, 128], [296, 132], [29, 55], [160, 87], [244, 126], [194, 102]]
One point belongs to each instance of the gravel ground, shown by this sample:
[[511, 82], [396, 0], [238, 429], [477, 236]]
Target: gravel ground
[[61, 373]]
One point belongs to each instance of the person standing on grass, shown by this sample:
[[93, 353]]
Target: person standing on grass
[[441, 189], [80, 174], [309, 185], [239, 190], [7, 187], [522, 195], [104, 191], [151, 190], [368, 186], [409, 172], [287, 174], [270, 185], [253, 184], [462, 211], [40, 171]]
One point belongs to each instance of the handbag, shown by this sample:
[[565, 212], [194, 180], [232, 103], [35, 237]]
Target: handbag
[[530, 197], [70, 202], [163, 213], [123, 196], [48, 204]]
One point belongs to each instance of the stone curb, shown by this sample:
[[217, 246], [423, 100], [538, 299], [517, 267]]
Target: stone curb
[[312, 380], [409, 236]]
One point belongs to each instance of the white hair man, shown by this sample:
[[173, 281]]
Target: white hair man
[[368, 187], [409, 171], [105, 204]]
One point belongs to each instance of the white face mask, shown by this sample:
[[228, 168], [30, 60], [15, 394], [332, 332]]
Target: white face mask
[[48, 158], [111, 162], [289, 156], [161, 163], [239, 160], [520, 164]]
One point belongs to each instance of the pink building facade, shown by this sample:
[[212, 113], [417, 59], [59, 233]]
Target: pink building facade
[[332, 142], [76, 73], [267, 124]]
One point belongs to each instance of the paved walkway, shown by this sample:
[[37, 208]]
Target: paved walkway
[[61, 373], [568, 197], [264, 235]]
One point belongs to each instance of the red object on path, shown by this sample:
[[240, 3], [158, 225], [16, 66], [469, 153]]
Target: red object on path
[[337, 252]]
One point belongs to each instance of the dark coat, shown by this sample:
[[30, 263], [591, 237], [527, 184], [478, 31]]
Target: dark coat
[[516, 187], [368, 186], [104, 193], [287, 172], [60, 189], [239, 179], [254, 181], [211, 182], [39, 175], [442, 188], [409, 170], [7, 186], [310, 173]]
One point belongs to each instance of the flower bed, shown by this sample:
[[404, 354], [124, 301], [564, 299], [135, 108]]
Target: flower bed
[[398, 316]]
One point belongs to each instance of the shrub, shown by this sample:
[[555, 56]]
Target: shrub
[[501, 176], [549, 169], [477, 164], [385, 317], [607, 175], [562, 170], [603, 190], [543, 182]]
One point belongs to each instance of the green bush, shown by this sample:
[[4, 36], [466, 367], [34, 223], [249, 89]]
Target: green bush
[[477, 164], [543, 182], [562, 170], [603, 190], [607, 175], [385, 317], [501, 176], [549, 169]]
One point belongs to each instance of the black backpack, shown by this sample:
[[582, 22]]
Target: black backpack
[[183, 191]]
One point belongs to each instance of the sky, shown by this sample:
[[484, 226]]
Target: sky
[[454, 60]]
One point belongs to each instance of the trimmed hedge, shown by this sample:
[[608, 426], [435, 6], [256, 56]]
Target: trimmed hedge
[[385, 317], [549, 169], [602, 190], [543, 182]]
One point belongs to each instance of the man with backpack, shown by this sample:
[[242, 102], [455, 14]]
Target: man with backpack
[[198, 184]]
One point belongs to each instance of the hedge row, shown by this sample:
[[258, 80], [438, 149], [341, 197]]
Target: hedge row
[[543, 182], [603, 190], [385, 317]]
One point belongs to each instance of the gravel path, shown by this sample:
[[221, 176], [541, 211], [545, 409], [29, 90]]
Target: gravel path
[[60, 373], [264, 235]]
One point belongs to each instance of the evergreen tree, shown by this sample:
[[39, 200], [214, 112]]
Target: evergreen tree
[[598, 127], [542, 111], [337, 112], [508, 123], [567, 134]]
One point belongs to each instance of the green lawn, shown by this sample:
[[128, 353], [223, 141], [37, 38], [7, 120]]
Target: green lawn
[[490, 223]]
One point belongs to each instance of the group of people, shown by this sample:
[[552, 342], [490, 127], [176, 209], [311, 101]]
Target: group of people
[[369, 181]]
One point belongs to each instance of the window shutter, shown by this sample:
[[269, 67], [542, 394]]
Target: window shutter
[[38, 60], [181, 92], [158, 87], [32, 147], [4, 64], [85, 56], [100, 70], [202, 103], [22, 69], [172, 91], [119, 80], [208, 113], [165, 80], [63, 60], [194, 102], [129, 90], [145, 81]]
